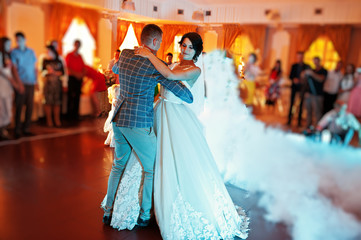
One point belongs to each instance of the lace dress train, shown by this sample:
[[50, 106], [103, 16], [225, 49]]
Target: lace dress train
[[128, 196]]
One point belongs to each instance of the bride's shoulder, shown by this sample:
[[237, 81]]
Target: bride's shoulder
[[173, 65], [179, 66]]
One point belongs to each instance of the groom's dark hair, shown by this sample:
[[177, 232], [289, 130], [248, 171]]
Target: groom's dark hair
[[150, 32]]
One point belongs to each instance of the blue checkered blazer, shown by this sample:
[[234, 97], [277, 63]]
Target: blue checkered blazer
[[137, 79]]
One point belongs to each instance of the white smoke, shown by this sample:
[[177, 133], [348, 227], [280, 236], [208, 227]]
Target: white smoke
[[314, 188]]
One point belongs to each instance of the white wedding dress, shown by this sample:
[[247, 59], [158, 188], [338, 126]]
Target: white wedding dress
[[190, 198]]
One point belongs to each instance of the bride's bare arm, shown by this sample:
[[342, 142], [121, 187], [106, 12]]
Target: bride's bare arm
[[184, 74]]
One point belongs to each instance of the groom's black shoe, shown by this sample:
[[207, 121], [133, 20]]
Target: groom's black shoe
[[107, 220], [142, 223]]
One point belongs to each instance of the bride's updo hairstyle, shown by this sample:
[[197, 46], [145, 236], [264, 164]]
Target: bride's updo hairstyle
[[197, 43]]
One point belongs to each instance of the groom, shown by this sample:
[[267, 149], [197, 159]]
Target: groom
[[133, 118]]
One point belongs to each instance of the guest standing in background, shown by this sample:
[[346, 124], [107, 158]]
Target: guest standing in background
[[64, 77], [251, 72], [24, 60], [52, 70], [273, 88], [112, 63], [347, 83], [76, 71], [314, 94], [169, 58], [298, 86], [354, 102], [331, 87], [8, 81]]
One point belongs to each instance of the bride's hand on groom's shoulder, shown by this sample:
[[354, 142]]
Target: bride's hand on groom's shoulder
[[142, 51], [115, 101]]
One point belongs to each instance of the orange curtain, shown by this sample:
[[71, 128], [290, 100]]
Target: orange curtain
[[293, 32], [169, 33], [231, 32], [3, 7], [59, 23], [121, 31], [306, 35], [340, 37], [256, 34], [138, 27], [91, 18], [183, 29], [61, 16]]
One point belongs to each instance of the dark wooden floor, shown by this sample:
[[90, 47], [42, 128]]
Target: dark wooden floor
[[51, 186]]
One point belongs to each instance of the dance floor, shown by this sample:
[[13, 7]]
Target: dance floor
[[52, 184]]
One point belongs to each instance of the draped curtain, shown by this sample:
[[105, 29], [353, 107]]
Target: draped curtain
[[256, 34], [338, 34], [61, 16], [3, 7], [231, 32], [122, 29], [340, 37], [306, 35], [91, 18], [138, 27], [169, 32], [293, 32]]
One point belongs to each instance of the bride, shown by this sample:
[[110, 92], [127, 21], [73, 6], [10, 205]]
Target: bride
[[190, 199]]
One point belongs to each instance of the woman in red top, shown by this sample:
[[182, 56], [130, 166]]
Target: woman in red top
[[273, 89]]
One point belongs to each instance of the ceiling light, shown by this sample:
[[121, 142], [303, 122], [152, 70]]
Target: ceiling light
[[128, 5], [198, 15]]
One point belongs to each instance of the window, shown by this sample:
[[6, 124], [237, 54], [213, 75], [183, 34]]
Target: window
[[322, 47], [241, 48], [130, 40], [176, 47]]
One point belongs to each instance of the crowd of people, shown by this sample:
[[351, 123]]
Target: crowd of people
[[317, 90], [58, 80], [324, 93], [320, 89], [19, 68]]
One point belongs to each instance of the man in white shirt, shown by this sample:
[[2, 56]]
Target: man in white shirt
[[331, 87]]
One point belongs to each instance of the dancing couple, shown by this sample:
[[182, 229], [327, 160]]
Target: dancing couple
[[190, 198]]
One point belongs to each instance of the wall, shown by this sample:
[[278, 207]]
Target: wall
[[298, 11], [105, 41], [30, 20], [210, 41]]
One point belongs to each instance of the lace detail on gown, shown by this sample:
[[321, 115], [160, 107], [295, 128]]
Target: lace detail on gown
[[187, 223], [229, 225], [128, 197]]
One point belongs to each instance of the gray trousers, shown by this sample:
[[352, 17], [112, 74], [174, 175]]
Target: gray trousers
[[144, 143], [314, 105], [27, 99]]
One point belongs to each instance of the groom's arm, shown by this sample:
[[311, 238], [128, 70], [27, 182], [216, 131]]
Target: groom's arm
[[146, 66], [177, 88]]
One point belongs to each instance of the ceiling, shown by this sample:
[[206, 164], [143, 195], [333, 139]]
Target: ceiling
[[238, 2]]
